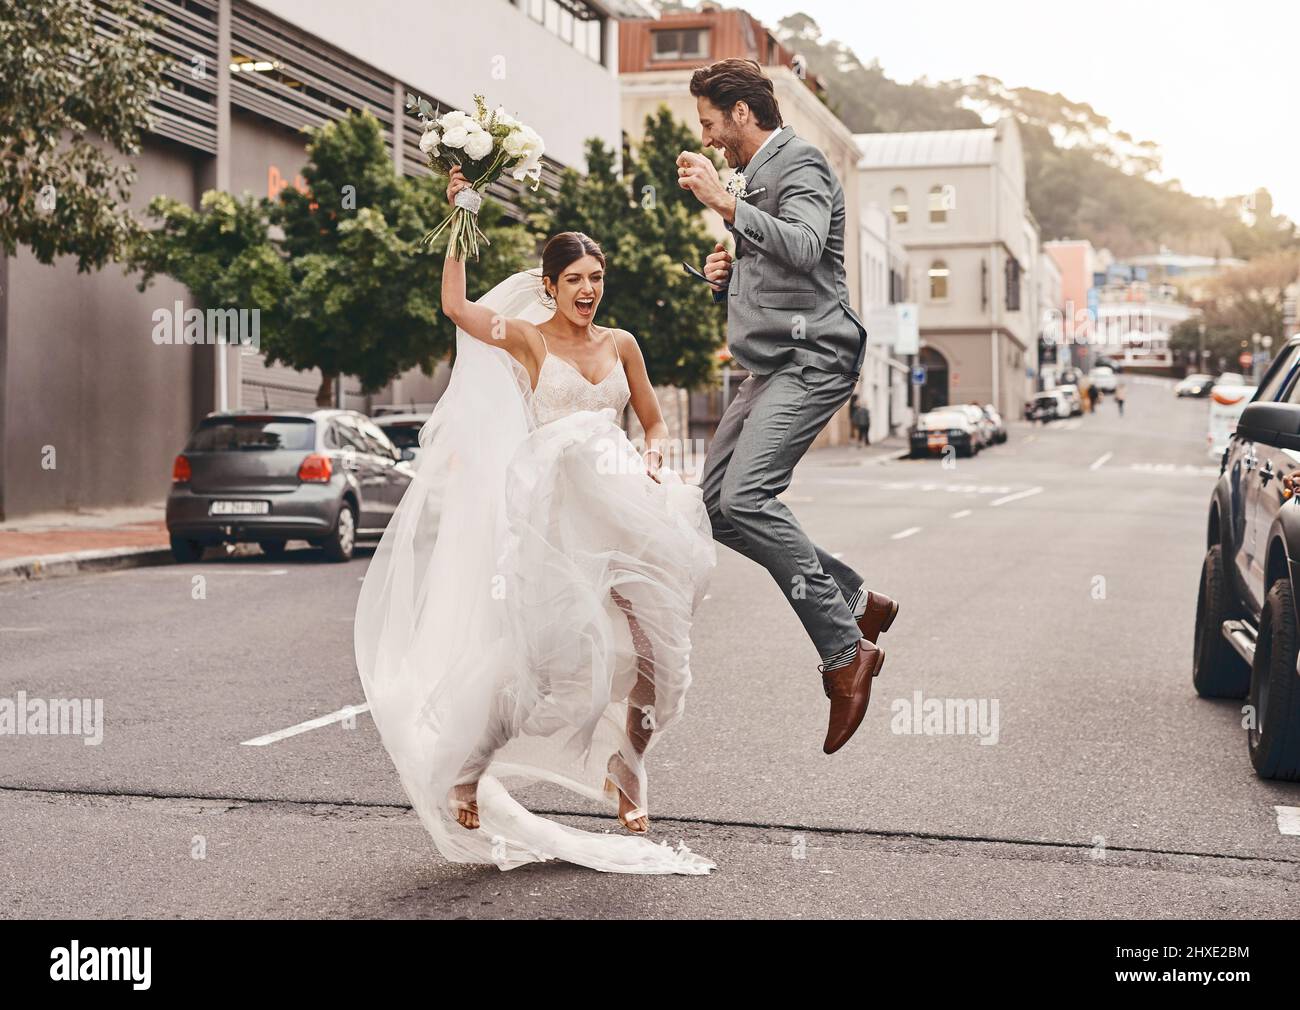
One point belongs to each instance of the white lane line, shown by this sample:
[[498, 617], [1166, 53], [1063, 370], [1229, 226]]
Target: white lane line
[[1288, 820], [303, 727], [1101, 461], [1016, 497], [962, 514], [838, 555], [906, 533]]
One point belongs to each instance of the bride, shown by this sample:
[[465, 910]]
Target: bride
[[526, 618]]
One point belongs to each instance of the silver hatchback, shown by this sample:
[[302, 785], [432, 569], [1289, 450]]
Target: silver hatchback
[[267, 477]]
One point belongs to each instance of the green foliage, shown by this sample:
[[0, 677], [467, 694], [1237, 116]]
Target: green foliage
[[646, 225], [348, 288], [1239, 303], [64, 83]]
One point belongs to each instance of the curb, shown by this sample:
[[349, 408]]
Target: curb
[[78, 562]]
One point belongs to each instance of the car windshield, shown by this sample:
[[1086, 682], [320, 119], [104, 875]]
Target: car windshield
[[948, 420], [253, 434]]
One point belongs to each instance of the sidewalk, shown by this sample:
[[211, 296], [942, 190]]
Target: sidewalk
[[857, 455], [66, 543]]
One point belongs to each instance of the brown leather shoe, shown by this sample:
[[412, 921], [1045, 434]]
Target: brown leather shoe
[[878, 616], [849, 689]]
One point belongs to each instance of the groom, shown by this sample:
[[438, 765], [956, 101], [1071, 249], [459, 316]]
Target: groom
[[790, 326]]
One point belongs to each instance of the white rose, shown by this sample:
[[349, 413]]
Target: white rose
[[455, 119], [504, 118], [515, 143], [479, 144], [455, 137], [430, 141]]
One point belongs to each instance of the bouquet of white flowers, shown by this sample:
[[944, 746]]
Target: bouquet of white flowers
[[485, 146]]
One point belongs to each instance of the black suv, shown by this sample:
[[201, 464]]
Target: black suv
[[1246, 618]]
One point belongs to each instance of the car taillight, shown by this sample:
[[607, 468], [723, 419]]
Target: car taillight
[[315, 469], [181, 471]]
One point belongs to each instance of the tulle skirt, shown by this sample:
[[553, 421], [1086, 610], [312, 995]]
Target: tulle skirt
[[531, 622]]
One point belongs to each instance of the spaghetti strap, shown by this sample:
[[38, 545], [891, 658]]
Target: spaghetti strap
[[618, 357]]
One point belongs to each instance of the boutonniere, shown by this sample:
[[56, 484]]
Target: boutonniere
[[736, 186]]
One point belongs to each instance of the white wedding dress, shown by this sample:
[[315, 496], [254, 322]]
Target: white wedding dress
[[532, 584]]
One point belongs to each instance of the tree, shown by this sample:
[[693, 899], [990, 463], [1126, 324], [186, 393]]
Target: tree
[[1238, 304], [74, 72], [646, 226], [348, 288]]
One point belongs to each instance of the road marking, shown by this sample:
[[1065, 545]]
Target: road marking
[[1173, 469], [962, 514], [906, 533], [1101, 461], [1288, 820], [1016, 497], [911, 485], [837, 555], [303, 727]]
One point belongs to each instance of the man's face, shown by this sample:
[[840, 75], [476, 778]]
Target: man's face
[[718, 132]]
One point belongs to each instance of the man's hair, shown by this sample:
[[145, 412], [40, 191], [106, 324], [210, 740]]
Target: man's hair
[[730, 81]]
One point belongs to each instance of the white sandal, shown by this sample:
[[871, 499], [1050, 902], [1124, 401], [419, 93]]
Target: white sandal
[[613, 791]]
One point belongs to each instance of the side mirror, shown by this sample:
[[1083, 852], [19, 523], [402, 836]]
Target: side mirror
[[1272, 424]]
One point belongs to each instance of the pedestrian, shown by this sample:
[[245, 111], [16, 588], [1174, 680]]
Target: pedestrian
[[1094, 398], [860, 416], [1119, 398]]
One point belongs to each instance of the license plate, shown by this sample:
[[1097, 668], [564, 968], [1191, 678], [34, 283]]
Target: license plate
[[938, 441], [239, 508]]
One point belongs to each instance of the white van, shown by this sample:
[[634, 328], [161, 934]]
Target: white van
[[1226, 404]]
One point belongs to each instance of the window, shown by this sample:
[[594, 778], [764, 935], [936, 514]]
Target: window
[[681, 44], [942, 200], [1013, 284], [939, 281], [898, 204], [1278, 375], [573, 21]]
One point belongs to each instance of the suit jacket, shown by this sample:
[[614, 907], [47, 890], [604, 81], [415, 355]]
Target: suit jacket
[[787, 299]]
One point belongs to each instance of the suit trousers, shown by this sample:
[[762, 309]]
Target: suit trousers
[[763, 433]]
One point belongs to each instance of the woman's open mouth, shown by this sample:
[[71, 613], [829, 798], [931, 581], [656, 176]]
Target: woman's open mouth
[[585, 306]]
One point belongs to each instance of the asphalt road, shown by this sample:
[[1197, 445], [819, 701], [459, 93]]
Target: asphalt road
[[1050, 581]]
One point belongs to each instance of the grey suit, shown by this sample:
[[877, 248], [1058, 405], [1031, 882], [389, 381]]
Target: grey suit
[[788, 323]]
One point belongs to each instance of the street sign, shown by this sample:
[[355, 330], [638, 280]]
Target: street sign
[[1244, 359], [918, 375]]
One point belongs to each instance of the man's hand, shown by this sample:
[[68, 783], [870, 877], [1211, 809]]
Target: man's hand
[[698, 174], [717, 268]]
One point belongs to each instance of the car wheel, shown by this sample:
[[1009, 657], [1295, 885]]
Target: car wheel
[[186, 552], [273, 548], [1218, 671], [1273, 738], [339, 545]]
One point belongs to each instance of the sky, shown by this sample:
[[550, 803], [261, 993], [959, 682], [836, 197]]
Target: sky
[[1216, 85]]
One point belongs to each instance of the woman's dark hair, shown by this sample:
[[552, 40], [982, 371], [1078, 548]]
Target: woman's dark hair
[[730, 81], [565, 248]]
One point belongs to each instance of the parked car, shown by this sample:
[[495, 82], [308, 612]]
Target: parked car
[[941, 428], [995, 419], [1048, 406], [1247, 631], [1198, 384], [403, 430], [325, 476], [1103, 378], [984, 433], [1072, 396], [1070, 377]]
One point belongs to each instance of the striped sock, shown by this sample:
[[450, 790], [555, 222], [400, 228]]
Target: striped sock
[[858, 603], [841, 659]]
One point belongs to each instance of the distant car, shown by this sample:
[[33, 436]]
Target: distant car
[[324, 476], [995, 419], [946, 426], [1110, 363], [1048, 406], [1071, 394], [1230, 379], [1070, 377], [1198, 384], [403, 430], [1103, 378], [1226, 404]]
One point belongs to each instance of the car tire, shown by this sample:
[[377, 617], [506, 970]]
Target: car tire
[[274, 548], [1273, 738], [186, 552], [342, 540], [1218, 671]]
